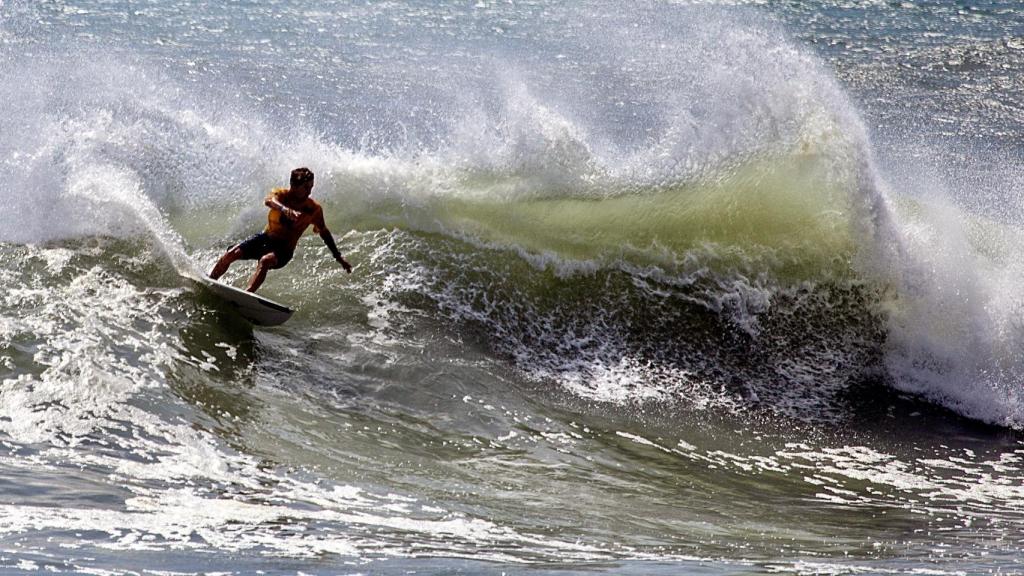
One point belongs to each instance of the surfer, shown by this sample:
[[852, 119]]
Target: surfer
[[291, 212]]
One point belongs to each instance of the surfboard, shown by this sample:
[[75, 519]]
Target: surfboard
[[253, 307]]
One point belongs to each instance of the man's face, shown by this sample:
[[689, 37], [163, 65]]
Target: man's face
[[304, 189]]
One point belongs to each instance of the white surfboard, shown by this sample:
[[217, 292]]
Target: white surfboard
[[253, 307]]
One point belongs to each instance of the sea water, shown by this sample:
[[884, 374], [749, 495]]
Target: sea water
[[709, 287]]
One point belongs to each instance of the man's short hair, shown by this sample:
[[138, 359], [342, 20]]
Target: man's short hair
[[301, 175]]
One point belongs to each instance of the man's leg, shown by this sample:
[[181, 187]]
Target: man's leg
[[267, 262], [225, 261]]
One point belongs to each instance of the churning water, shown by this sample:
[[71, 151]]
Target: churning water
[[667, 287]]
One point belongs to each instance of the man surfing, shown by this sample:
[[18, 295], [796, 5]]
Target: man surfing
[[291, 212]]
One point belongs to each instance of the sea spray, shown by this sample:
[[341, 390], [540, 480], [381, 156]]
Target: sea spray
[[630, 286], [743, 183]]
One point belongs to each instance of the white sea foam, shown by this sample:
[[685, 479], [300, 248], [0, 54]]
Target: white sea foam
[[104, 349], [559, 162], [98, 156]]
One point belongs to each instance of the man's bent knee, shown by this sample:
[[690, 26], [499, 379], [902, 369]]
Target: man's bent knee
[[225, 261], [269, 261], [232, 254]]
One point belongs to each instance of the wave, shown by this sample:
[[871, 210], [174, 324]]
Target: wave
[[706, 216]]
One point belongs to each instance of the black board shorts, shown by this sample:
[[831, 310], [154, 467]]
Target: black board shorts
[[259, 245]]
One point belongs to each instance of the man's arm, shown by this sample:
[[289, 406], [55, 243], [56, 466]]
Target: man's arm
[[274, 204], [325, 235]]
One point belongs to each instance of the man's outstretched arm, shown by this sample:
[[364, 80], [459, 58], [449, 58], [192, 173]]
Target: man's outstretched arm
[[325, 235]]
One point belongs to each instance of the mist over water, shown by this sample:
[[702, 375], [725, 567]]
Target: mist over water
[[622, 277]]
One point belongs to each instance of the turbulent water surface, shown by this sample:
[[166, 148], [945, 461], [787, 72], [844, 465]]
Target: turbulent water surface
[[663, 287]]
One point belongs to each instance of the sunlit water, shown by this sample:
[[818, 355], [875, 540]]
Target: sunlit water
[[688, 287]]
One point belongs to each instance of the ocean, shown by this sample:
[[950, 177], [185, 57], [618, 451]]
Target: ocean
[[677, 287]]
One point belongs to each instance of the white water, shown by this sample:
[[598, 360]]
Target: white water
[[438, 402]]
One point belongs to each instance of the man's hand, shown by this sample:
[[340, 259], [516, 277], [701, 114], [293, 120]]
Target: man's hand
[[288, 213], [325, 234]]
